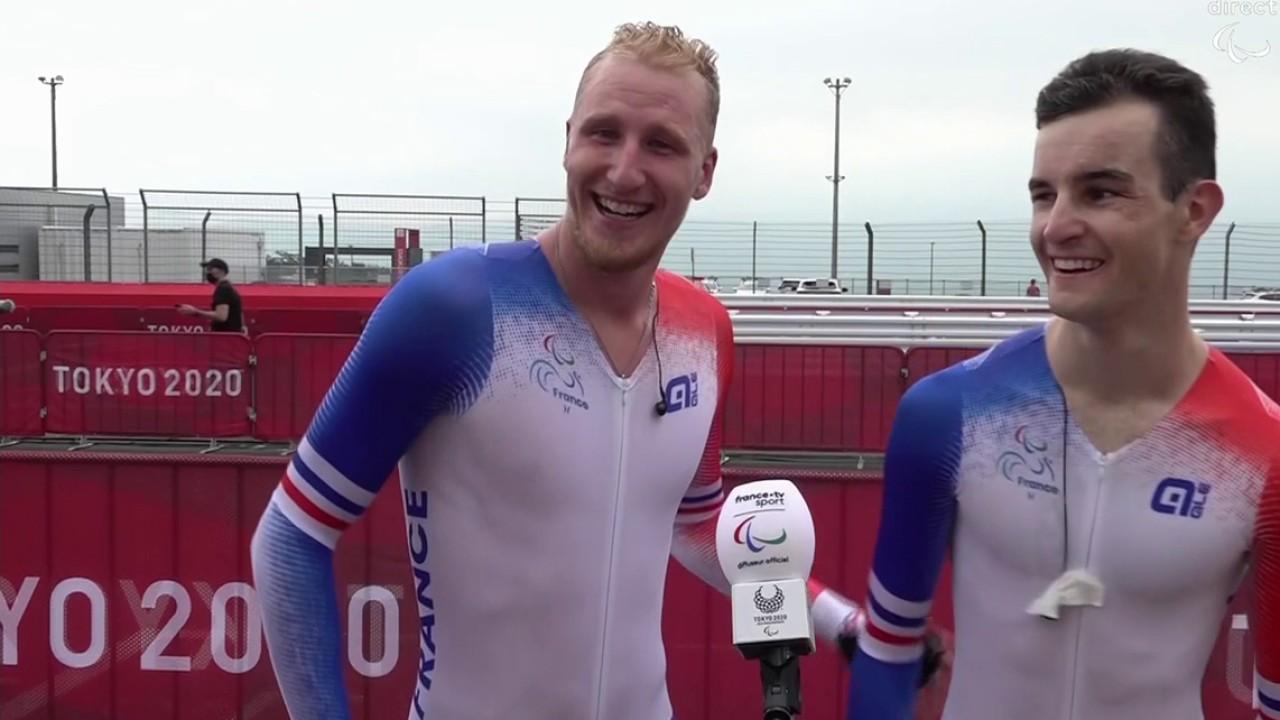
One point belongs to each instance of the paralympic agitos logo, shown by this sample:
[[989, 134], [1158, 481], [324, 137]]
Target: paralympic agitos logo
[[743, 536], [1031, 468]]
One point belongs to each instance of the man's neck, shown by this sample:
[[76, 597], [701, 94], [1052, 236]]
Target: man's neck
[[1158, 358], [617, 297]]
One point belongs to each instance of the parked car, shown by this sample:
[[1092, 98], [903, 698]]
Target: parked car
[[1263, 296], [820, 286]]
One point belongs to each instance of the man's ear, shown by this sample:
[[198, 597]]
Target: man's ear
[[708, 171], [1204, 200], [564, 161]]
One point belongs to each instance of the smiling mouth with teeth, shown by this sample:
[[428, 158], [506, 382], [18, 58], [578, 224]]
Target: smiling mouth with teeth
[[1070, 266], [618, 209]]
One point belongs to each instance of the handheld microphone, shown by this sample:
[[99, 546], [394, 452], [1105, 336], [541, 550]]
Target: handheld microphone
[[765, 544]]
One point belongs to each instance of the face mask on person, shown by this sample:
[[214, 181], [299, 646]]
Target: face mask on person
[[208, 277]]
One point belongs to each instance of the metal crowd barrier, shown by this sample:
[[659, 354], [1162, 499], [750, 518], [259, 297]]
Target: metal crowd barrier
[[948, 303], [827, 386]]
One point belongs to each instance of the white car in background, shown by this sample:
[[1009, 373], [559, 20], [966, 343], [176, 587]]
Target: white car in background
[[819, 286], [810, 286], [1262, 296], [710, 284]]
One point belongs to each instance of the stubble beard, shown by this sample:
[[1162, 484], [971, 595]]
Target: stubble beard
[[611, 258]]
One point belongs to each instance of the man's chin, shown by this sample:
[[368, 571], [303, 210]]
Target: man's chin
[[1078, 310], [1063, 308], [617, 264], [616, 260]]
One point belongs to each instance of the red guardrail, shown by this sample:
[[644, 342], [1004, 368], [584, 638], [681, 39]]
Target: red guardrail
[[125, 592], [920, 362], [157, 318], [293, 375], [812, 398], [1264, 370], [49, 319], [21, 389], [327, 322], [19, 319], [140, 383]]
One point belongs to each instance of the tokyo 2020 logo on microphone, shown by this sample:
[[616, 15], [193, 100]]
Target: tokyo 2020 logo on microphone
[[770, 605], [743, 536]]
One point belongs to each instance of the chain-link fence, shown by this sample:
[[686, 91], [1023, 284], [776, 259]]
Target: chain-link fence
[[251, 231]]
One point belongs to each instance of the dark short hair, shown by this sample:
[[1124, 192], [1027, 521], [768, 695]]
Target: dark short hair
[[1187, 139]]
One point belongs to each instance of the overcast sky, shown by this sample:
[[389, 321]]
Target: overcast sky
[[470, 98]]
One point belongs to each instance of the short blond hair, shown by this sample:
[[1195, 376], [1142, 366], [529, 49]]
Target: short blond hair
[[667, 48]]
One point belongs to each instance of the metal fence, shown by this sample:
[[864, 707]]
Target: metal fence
[[69, 230], [533, 215], [350, 238], [364, 227], [182, 228]]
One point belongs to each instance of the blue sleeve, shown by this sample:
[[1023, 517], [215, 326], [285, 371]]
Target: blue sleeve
[[915, 529], [426, 351]]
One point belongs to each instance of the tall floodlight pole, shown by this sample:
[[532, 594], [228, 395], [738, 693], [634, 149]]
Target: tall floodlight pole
[[837, 86], [53, 83]]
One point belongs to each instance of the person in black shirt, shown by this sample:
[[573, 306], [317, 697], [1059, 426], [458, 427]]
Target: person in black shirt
[[226, 313]]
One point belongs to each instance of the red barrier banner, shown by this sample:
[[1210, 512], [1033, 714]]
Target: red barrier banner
[[286, 320], [20, 396], [168, 320], [293, 375], [131, 596], [812, 398], [126, 592], [18, 319], [139, 383], [49, 319]]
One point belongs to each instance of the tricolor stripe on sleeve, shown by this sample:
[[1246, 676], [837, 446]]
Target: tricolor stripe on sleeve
[[1268, 697], [833, 614], [894, 626], [317, 498], [701, 502]]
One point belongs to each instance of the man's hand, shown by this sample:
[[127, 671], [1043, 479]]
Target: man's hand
[[935, 655], [935, 650], [187, 310]]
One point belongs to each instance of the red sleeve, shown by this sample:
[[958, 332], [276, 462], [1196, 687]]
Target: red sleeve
[[1265, 622], [706, 493], [694, 539]]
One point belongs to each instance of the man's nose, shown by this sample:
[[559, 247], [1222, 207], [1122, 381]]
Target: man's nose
[[1063, 221], [625, 167]]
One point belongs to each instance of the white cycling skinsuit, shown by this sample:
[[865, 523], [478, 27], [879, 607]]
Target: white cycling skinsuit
[[539, 488], [985, 460]]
